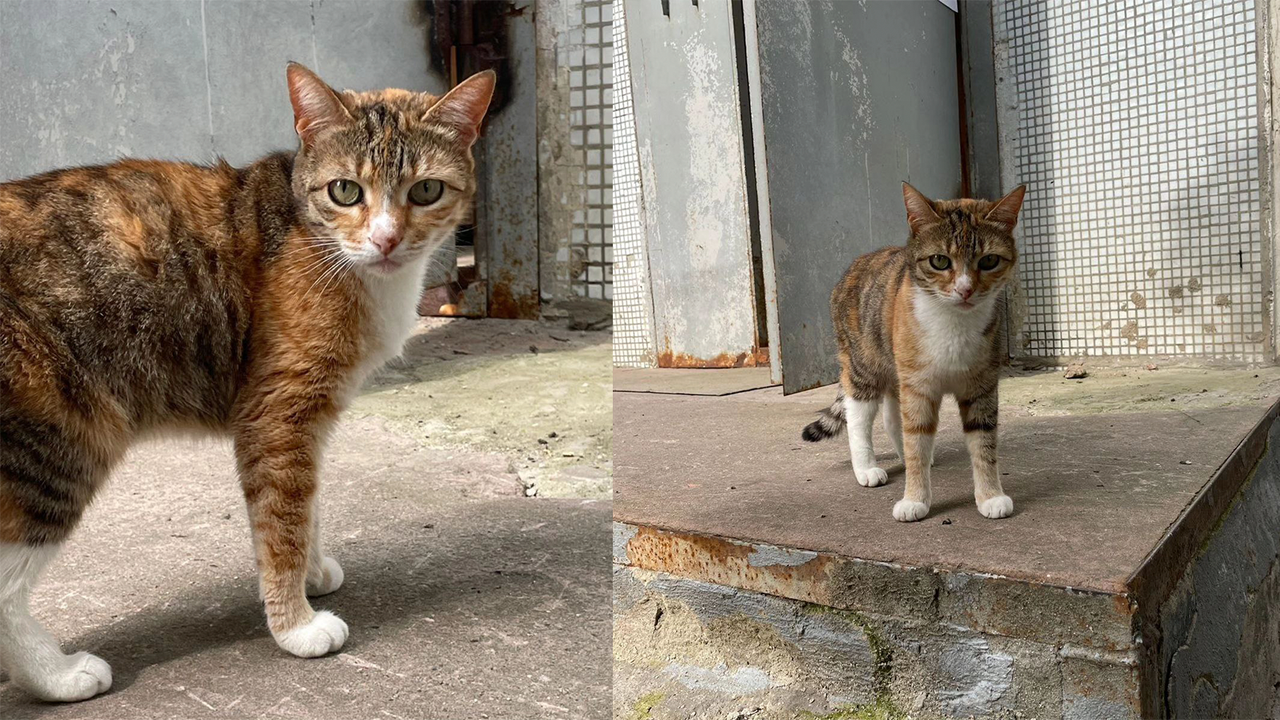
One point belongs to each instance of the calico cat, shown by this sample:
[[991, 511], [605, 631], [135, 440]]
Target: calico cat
[[144, 297], [914, 323]]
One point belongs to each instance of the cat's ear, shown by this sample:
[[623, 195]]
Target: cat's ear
[[1005, 211], [463, 107], [920, 212], [315, 104]]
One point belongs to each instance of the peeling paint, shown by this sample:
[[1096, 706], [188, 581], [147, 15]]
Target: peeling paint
[[766, 555]]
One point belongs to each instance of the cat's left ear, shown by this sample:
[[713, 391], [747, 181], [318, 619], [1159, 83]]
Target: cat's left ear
[[463, 107], [1005, 211]]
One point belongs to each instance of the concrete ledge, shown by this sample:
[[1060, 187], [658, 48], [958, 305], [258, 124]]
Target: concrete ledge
[[1137, 578]]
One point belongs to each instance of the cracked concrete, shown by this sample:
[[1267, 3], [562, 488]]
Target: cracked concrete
[[465, 598]]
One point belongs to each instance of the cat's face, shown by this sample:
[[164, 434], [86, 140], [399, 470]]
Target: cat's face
[[383, 178], [962, 251]]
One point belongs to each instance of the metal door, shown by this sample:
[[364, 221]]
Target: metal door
[[852, 98]]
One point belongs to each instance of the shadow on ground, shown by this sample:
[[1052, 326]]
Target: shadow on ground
[[465, 598]]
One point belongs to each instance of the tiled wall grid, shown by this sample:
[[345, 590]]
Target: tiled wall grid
[[1138, 138], [591, 131], [633, 343]]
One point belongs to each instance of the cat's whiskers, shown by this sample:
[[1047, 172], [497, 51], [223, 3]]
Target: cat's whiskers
[[345, 264], [325, 258], [341, 264]]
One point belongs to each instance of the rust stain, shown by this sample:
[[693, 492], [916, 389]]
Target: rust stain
[[728, 563], [505, 304], [756, 358]]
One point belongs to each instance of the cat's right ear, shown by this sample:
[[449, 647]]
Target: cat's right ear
[[315, 104], [920, 212]]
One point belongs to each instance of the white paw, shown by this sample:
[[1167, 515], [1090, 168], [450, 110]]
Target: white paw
[[330, 578], [871, 477], [79, 677], [324, 634], [1000, 506], [909, 510]]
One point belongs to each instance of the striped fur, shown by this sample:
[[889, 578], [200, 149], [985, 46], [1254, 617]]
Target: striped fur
[[915, 323], [829, 424], [147, 297]]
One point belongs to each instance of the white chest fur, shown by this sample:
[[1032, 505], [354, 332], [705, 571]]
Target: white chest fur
[[393, 314], [952, 339]]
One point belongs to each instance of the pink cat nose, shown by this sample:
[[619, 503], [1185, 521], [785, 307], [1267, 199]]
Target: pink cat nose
[[964, 292], [385, 240]]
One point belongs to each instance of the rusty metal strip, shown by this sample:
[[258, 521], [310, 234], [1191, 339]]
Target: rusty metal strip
[[984, 603]]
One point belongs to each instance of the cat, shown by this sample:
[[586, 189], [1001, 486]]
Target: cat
[[144, 297], [914, 323]]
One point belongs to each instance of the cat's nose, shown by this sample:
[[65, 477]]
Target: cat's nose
[[385, 240], [964, 292]]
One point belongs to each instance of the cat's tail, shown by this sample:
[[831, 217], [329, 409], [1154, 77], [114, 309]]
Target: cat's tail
[[829, 423]]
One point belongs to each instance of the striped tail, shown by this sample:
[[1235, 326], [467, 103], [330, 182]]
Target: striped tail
[[829, 423]]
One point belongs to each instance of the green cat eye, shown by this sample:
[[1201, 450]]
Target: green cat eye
[[989, 262], [345, 192], [939, 262], [425, 192]]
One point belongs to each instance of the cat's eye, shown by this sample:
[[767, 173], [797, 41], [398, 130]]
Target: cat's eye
[[425, 192], [989, 262], [345, 192], [939, 262]]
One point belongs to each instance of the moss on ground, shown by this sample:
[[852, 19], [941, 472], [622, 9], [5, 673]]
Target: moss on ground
[[882, 709], [642, 709]]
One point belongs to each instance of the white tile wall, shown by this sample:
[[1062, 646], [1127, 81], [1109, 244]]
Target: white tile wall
[[633, 342], [1138, 137], [591, 131]]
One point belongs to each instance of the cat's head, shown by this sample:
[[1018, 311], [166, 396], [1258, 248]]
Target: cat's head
[[385, 176], [962, 251]]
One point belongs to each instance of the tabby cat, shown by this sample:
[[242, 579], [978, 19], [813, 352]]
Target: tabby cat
[[144, 297], [914, 323]]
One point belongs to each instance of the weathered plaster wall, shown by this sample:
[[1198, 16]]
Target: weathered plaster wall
[[88, 82], [560, 166], [700, 650]]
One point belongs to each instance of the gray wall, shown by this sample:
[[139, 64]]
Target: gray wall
[[85, 81]]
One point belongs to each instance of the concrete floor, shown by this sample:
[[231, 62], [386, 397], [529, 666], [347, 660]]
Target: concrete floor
[[735, 466], [1099, 468], [465, 597]]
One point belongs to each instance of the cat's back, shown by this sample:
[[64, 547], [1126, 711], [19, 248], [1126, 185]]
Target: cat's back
[[134, 206], [129, 277], [867, 286]]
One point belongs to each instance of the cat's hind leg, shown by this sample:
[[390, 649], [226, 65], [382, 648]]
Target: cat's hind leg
[[28, 652], [892, 416], [860, 416], [324, 574], [46, 481]]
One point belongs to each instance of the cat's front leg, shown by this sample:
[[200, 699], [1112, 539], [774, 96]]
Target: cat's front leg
[[919, 424], [979, 415], [278, 473]]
